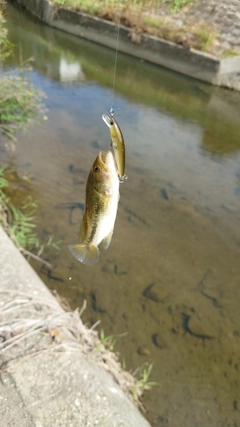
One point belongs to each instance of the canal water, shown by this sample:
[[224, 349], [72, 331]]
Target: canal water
[[171, 276]]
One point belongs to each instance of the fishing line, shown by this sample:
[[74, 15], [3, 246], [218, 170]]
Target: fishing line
[[116, 136], [115, 64]]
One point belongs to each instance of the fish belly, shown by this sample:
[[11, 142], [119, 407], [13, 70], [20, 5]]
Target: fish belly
[[105, 223]]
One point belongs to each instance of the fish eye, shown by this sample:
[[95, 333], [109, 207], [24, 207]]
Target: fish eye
[[96, 169], [111, 121]]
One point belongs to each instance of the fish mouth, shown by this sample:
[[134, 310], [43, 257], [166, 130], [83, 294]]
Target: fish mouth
[[102, 156], [105, 156]]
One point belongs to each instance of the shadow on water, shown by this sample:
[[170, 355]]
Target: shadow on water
[[171, 275]]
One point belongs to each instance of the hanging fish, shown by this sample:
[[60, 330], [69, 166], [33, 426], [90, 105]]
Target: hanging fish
[[117, 143], [102, 196]]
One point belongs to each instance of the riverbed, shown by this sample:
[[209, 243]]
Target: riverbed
[[170, 278]]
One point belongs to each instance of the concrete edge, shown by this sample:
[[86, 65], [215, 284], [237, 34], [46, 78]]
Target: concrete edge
[[29, 383], [190, 62]]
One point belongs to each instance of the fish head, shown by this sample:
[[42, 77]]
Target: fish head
[[104, 169]]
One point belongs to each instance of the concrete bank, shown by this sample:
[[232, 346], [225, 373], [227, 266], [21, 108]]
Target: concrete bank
[[190, 62], [48, 378]]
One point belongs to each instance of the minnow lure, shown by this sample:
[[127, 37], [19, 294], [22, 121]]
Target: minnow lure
[[117, 143]]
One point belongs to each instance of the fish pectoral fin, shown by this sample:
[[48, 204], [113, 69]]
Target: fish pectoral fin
[[106, 241], [86, 253]]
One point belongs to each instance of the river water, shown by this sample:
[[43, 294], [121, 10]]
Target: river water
[[171, 276]]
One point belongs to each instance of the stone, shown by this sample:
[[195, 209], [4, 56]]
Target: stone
[[143, 351], [201, 327], [155, 292], [159, 341]]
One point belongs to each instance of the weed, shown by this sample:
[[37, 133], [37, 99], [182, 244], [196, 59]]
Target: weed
[[18, 219], [141, 375], [206, 36], [5, 45], [153, 22], [20, 103], [124, 365], [108, 342], [229, 53], [176, 5], [141, 383]]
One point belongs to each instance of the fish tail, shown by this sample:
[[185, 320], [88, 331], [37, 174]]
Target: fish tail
[[85, 253]]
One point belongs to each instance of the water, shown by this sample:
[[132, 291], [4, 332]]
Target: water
[[171, 275]]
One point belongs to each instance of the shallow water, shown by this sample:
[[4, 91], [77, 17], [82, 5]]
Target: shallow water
[[171, 275]]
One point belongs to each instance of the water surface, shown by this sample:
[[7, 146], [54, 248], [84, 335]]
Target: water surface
[[171, 275]]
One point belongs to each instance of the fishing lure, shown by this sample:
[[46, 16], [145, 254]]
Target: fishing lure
[[117, 144]]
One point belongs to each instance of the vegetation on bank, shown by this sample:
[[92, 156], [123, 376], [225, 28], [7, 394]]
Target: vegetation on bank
[[99, 6], [5, 46], [17, 214], [50, 333], [20, 103], [153, 17]]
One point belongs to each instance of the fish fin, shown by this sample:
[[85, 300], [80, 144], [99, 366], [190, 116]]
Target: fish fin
[[86, 253], [106, 241]]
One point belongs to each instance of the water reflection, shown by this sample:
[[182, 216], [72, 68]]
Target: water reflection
[[171, 276], [181, 97], [227, 141], [70, 72]]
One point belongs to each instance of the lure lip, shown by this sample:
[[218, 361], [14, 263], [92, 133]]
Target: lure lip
[[106, 120]]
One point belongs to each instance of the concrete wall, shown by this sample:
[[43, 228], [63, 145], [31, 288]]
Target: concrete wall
[[192, 63]]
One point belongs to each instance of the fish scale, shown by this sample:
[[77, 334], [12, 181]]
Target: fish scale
[[102, 196]]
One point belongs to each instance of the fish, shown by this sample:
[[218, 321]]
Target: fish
[[117, 144], [101, 203]]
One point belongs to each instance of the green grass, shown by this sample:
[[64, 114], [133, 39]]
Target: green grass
[[20, 104], [17, 219], [142, 382], [5, 46], [177, 5], [108, 342], [140, 376], [229, 53], [100, 6], [206, 37], [17, 213]]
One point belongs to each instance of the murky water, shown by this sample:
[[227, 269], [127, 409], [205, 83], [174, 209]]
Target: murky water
[[171, 276]]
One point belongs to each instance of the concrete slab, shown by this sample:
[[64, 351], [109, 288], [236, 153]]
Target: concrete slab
[[46, 382]]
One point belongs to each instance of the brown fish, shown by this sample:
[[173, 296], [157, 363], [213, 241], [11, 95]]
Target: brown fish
[[102, 196]]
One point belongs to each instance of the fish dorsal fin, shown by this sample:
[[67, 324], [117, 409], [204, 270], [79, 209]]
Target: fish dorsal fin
[[106, 241]]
